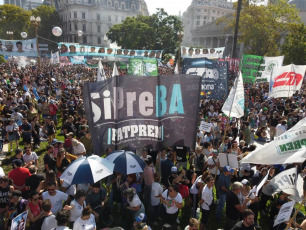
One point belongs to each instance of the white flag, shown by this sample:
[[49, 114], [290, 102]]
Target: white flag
[[234, 104], [176, 70], [268, 65], [286, 80], [51, 59], [115, 70], [55, 57], [288, 148], [101, 74]]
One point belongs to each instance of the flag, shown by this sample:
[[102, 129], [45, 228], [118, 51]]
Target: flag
[[115, 70], [101, 74], [176, 70], [288, 148], [51, 58], [286, 80], [35, 93], [234, 104], [269, 63], [55, 58]]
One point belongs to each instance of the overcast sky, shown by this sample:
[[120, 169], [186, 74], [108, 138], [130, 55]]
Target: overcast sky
[[172, 7]]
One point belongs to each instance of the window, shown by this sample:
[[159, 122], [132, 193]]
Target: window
[[98, 17], [84, 39], [84, 28], [198, 17], [199, 10], [116, 18], [212, 18], [99, 29], [116, 5], [122, 6], [109, 18], [214, 11], [69, 27], [75, 14], [204, 22], [83, 15], [198, 23], [205, 10], [75, 26], [99, 40], [204, 17]]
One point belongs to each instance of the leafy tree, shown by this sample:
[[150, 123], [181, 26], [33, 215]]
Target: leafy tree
[[2, 59], [294, 47], [261, 27], [158, 31], [13, 18]]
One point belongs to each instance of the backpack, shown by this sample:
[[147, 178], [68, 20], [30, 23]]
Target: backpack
[[200, 162]]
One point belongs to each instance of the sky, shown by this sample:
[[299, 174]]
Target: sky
[[172, 7]]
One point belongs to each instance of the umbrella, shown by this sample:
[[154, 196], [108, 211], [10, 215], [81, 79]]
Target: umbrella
[[126, 162], [87, 170]]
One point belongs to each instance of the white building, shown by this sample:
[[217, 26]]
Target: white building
[[25, 4], [94, 17], [200, 13]]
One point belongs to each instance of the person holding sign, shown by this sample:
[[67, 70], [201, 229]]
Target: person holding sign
[[214, 164]]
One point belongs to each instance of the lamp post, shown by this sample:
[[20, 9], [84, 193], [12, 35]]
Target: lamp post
[[36, 22], [80, 34], [10, 34], [180, 35]]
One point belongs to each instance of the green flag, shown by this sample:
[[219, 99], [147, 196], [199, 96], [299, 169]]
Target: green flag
[[143, 67], [250, 67]]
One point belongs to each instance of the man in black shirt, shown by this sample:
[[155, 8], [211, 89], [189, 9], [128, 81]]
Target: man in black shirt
[[181, 155], [233, 206], [34, 180], [49, 161], [247, 223], [68, 126]]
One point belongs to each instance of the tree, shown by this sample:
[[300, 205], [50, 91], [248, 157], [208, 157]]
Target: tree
[[155, 32], [294, 47], [13, 18], [49, 19], [261, 27]]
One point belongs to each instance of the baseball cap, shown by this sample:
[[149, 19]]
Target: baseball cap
[[245, 182], [75, 142], [17, 162], [174, 169], [228, 169], [141, 217]]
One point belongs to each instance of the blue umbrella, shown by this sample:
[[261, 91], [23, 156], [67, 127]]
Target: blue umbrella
[[126, 162], [87, 170]]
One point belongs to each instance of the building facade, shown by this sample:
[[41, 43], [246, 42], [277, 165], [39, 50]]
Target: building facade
[[25, 4], [94, 18], [201, 13]]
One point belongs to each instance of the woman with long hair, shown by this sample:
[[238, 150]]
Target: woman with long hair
[[50, 178], [63, 159], [35, 211], [76, 206]]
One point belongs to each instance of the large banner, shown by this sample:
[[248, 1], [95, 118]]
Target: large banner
[[285, 149], [72, 49], [132, 112], [250, 67], [26, 48], [212, 53], [286, 80], [143, 67], [266, 68], [214, 76]]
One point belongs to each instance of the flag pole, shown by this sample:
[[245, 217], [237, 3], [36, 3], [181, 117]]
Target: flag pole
[[295, 214]]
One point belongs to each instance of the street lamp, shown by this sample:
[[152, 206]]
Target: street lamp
[[35, 23], [180, 35], [10, 34]]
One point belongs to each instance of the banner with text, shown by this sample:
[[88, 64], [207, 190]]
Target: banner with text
[[211, 53], [26, 48], [266, 68], [214, 76], [143, 67], [134, 112], [250, 67], [71, 49]]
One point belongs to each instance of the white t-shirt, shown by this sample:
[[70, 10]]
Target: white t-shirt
[[89, 224], [207, 196], [135, 202], [79, 149], [71, 189], [49, 223], [211, 161], [171, 208], [76, 212], [242, 198], [156, 190], [194, 189], [32, 157], [56, 200]]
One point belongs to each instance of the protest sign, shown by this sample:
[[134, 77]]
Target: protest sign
[[26, 48], [287, 148], [205, 126], [74, 49], [143, 67], [284, 213], [20, 221], [227, 159], [128, 112], [250, 67], [266, 68], [214, 76], [286, 80], [211, 53]]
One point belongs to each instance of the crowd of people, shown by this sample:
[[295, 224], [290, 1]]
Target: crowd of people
[[181, 187]]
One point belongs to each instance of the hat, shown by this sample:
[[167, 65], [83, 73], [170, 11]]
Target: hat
[[70, 134], [214, 151], [242, 141], [228, 169], [265, 108], [141, 217], [245, 182], [174, 169], [17, 162], [75, 142]]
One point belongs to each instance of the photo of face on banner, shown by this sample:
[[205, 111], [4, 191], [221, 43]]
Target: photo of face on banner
[[158, 54], [19, 47], [64, 49], [197, 51], [184, 51], [132, 53], [119, 51], [126, 52], [72, 49], [190, 52], [152, 54], [92, 49], [146, 54], [205, 51], [109, 51], [9, 46], [101, 51]]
